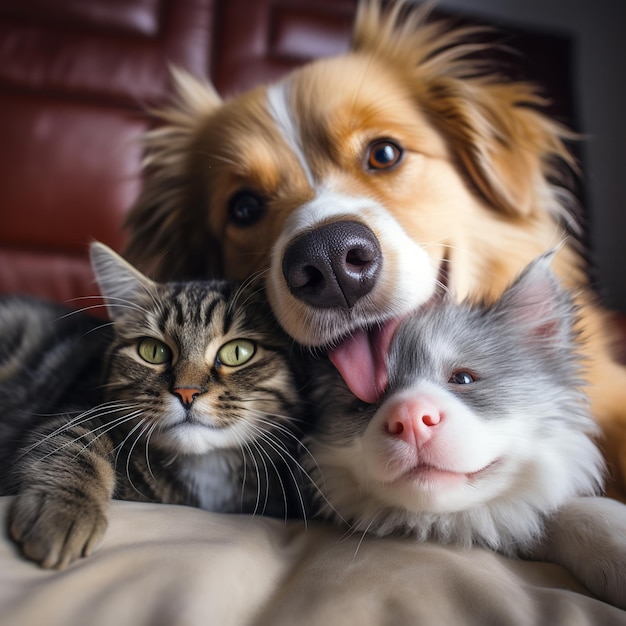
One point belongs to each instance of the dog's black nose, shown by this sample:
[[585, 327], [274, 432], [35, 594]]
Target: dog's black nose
[[333, 265]]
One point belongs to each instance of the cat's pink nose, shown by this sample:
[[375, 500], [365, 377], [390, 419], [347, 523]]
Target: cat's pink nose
[[414, 421], [187, 395]]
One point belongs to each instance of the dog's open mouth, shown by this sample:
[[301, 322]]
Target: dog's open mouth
[[361, 357]]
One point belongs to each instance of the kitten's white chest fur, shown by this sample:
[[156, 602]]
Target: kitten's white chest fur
[[210, 477]]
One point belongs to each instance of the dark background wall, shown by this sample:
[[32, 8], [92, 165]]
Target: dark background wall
[[597, 29]]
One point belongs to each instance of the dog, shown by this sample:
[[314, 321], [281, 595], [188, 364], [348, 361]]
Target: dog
[[360, 185]]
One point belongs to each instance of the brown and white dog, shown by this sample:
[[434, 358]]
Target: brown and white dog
[[359, 184]]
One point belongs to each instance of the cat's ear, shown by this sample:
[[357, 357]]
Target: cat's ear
[[118, 280], [538, 306]]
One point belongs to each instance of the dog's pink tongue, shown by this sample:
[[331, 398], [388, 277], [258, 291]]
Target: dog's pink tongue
[[360, 359]]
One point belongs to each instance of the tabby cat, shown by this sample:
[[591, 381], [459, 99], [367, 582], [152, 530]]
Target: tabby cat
[[187, 397]]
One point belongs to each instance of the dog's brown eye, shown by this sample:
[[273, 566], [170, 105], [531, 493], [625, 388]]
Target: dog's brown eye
[[383, 155], [245, 208]]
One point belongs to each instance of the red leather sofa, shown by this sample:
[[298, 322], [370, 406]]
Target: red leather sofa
[[76, 81]]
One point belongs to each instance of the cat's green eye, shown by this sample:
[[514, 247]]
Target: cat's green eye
[[154, 351], [236, 352]]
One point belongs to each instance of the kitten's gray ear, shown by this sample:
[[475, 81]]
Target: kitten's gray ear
[[118, 280], [538, 305]]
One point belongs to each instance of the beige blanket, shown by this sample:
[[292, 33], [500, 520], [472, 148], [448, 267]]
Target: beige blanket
[[168, 566]]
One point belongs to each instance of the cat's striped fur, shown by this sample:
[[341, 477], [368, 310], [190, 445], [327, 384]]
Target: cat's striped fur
[[187, 397]]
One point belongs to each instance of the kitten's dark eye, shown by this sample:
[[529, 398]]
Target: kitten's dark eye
[[383, 155], [154, 351], [245, 208], [462, 377], [236, 352]]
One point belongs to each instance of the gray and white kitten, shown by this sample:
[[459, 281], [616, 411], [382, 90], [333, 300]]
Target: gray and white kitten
[[188, 397], [483, 436]]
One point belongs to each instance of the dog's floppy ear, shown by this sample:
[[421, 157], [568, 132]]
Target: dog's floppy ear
[[494, 127], [165, 233], [509, 150]]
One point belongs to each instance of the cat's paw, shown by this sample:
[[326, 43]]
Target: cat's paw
[[53, 530], [588, 536]]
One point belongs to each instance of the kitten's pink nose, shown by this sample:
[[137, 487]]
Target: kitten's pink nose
[[187, 395], [413, 421]]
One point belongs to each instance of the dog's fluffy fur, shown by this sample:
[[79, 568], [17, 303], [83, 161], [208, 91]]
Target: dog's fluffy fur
[[467, 192]]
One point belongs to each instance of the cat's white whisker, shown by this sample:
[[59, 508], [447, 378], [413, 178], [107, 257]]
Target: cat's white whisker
[[112, 302], [266, 454], [250, 294], [244, 478], [128, 436], [363, 535], [147, 449], [243, 289], [245, 447], [281, 420], [97, 328], [75, 440], [142, 426], [78, 420], [286, 457], [106, 428], [251, 444], [321, 490]]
